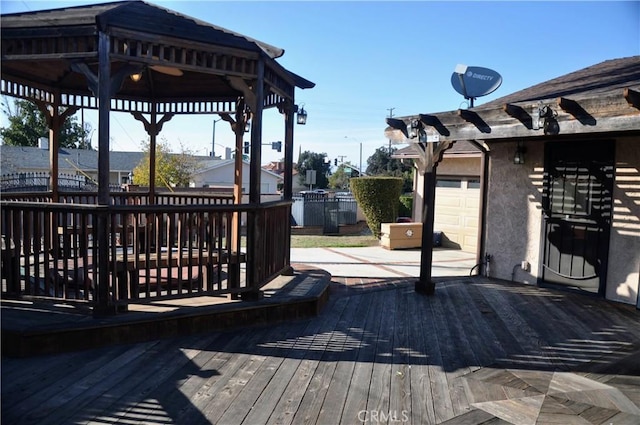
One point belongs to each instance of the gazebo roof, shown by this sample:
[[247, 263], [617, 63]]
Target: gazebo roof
[[183, 60]]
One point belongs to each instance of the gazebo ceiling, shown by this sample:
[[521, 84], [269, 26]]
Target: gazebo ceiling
[[190, 65]]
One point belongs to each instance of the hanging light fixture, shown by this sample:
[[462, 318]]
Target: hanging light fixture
[[135, 77], [302, 116], [518, 158]]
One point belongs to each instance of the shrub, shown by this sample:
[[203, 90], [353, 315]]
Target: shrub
[[378, 198], [406, 206]]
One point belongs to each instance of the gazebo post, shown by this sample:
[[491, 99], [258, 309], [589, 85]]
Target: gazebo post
[[288, 150], [104, 303], [288, 173], [254, 225], [153, 127], [152, 159], [238, 129]]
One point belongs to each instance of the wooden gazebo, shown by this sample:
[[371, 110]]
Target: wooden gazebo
[[109, 248]]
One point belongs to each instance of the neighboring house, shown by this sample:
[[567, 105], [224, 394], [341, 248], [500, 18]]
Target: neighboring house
[[23, 159], [562, 169], [213, 173], [457, 209], [277, 167]]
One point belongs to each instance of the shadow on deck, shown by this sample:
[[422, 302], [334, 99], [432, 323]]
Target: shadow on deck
[[37, 327]]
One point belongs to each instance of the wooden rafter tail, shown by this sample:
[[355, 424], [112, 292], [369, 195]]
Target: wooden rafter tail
[[467, 115], [632, 97], [514, 111], [475, 119], [434, 121], [572, 107], [569, 105], [519, 113]]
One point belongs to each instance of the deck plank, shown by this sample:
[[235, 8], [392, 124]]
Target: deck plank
[[313, 398], [334, 402], [303, 363], [379, 390], [358, 386]]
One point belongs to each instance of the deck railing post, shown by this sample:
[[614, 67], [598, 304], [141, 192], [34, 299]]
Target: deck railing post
[[255, 255], [103, 302]]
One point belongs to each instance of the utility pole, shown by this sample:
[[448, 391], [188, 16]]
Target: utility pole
[[389, 151]]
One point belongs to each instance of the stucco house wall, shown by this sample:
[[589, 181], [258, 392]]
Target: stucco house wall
[[514, 212], [623, 274]]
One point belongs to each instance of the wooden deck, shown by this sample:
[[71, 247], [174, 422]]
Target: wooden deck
[[478, 352]]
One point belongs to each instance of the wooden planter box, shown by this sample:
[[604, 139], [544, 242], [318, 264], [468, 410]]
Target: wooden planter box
[[401, 235], [405, 235]]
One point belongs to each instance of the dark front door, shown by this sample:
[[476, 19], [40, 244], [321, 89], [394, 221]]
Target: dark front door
[[577, 206]]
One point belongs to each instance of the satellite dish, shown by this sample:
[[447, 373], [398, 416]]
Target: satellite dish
[[475, 81]]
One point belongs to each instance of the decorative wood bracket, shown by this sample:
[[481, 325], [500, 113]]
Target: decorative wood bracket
[[519, 113], [287, 106], [246, 116], [572, 107], [241, 85], [116, 79], [632, 97], [49, 114], [231, 121], [152, 129], [430, 154]]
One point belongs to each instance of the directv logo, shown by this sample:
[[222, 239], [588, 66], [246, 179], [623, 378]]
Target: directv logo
[[479, 76]]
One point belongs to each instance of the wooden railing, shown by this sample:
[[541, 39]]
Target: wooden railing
[[111, 256]]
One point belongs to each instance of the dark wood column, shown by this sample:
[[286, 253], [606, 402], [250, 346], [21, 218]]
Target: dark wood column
[[104, 302], [289, 119], [431, 154]]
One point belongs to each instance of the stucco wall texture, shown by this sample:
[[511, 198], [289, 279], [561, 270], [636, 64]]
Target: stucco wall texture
[[623, 274], [514, 211]]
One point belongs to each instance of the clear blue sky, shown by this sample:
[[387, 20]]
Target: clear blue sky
[[372, 58]]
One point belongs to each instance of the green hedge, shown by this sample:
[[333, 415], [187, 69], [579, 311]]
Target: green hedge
[[378, 198], [406, 206]]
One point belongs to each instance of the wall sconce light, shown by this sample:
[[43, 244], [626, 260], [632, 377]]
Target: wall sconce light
[[518, 158], [413, 129], [302, 116], [547, 117]]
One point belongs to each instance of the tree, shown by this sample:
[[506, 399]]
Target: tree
[[172, 170], [27, 124], [381, 163], [340, 178], [314, 161]]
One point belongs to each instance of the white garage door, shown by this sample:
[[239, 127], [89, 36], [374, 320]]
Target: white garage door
[[457, 212]]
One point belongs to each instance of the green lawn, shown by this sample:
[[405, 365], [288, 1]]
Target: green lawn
[[322, 241]]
